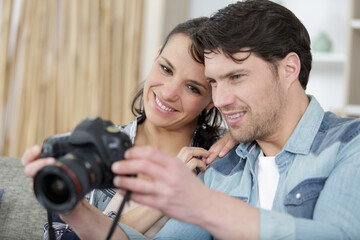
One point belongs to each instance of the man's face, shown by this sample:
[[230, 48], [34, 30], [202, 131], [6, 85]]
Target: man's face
[[248, 94]]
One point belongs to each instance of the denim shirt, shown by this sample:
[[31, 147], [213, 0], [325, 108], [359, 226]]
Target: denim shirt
[[318, 195]]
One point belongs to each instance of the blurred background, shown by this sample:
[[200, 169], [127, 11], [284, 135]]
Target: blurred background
[[64, 60]]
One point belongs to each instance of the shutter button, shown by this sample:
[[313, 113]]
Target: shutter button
[[298, 196]]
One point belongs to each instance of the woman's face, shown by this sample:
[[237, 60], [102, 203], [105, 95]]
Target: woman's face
[[175, 91]]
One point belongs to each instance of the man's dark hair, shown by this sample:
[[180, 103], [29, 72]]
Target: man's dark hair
[[209, 121], [261, 27]]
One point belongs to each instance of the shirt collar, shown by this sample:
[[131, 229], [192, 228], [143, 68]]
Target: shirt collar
[[131, 128], [303, 136]]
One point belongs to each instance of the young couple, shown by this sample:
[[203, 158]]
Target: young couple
[[295, 173]]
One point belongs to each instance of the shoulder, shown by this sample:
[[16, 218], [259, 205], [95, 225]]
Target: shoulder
[[229, 164], [339, 128], [337, 135]]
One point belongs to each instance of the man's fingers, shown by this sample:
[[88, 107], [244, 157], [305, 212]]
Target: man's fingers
[[134, 184], [145, 153], [135, 166]]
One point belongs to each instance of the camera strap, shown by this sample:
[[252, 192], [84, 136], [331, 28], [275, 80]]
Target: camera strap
[[118, 214], [51, 229]]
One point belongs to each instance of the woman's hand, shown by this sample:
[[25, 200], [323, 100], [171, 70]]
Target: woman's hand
[[194, 157], [221, 147], [31, 162]]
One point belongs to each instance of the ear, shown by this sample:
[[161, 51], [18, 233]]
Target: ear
[[291, 66], [210, 105]]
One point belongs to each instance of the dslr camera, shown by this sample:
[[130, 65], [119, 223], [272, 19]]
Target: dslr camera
[[83, 163]]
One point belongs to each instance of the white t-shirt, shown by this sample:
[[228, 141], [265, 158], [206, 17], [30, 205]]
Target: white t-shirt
[[267, 174]]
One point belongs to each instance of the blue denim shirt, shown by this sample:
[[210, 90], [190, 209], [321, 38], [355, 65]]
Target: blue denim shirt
[[318, 196]]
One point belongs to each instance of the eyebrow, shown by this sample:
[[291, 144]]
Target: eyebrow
[[229, 74], [198, 84]]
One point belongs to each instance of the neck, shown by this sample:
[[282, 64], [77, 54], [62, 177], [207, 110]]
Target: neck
[[169, 141], [293, 111]]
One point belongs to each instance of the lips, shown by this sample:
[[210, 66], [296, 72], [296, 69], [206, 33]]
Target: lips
[[234, 118], [236, 115], [162, 105]]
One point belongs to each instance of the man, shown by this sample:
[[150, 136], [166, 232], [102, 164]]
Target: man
[[296, 173]]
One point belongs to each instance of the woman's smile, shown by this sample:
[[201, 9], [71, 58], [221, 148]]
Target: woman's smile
[[161, 106]]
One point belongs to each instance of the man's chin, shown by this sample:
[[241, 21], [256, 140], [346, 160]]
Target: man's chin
[[241, 136]]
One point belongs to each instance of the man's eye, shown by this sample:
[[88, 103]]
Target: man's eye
[[212, 82], [237, 76], [165, 69]]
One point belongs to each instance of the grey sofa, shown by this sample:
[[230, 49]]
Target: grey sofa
[[21, 216]]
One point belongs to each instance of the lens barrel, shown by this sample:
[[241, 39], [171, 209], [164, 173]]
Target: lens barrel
[[61, 186]]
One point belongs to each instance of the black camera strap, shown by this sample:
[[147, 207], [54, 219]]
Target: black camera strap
[[118, 214], [51, 230]]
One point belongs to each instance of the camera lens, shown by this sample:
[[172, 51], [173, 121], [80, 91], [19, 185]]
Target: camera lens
[[55, 189], [59, 187], [83, 163]]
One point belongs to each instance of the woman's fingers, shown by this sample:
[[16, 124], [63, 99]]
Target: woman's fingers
[[196, 163], [187, 153], [32, 168], [193, 157], [32, 163], [30, 154], [221, 147]]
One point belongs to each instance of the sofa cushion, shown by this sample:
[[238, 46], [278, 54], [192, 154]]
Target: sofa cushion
[[21, 216]]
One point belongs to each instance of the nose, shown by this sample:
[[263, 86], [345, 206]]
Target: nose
[[171, 90], [222, 95]]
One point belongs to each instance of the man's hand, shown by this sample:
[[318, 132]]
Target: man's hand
[[173, 188]]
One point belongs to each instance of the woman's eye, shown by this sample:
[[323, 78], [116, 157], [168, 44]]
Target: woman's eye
[[165, 69], [194, 89]]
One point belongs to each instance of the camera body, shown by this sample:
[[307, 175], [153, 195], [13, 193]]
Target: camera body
[[83, 163]]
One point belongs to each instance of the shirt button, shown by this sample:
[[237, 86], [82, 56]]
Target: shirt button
[[298, 196]]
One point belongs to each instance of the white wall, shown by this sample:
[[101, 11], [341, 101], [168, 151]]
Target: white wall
[[327, 79], [205, 8]]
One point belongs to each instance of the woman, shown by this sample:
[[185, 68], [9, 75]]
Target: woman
[[179, 112]]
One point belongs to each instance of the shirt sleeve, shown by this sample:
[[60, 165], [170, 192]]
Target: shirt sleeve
[[131, 233]]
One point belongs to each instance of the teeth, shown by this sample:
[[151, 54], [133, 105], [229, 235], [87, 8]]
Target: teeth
[[162, 106], [236, 115]]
